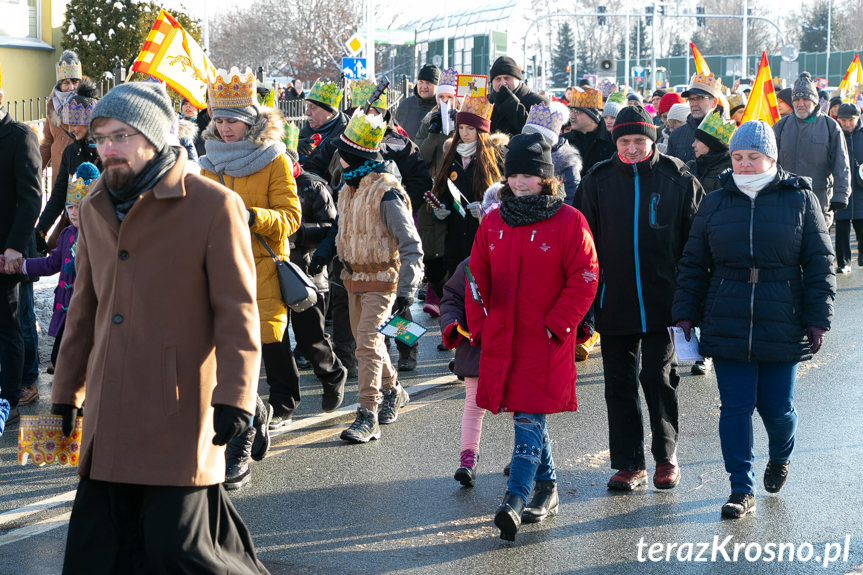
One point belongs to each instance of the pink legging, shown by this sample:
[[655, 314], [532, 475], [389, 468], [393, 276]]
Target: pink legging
[[471, 419]]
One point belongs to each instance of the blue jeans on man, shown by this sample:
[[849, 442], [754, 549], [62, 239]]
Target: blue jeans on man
[[743, 388], [531, 456]]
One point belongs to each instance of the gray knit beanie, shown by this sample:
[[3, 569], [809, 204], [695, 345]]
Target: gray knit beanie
[[611, 109], [804, 88], [755, 135], [144, 106], [247, 115]]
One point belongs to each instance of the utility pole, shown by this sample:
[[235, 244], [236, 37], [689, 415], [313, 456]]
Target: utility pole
[[653, 49], [369, 51], [626, 77], [829, 18], [744, 67]]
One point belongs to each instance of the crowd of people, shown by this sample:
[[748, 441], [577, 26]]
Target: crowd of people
[[534, 231]]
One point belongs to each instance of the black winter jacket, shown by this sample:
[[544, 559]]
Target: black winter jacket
[[594, 147], [20, 187], [680, 141], [412, 110], [74, 155], [460, 231], [854, 144], [755, 273], [707, 169], [415, 176], [319, 213], [640, 216], [511, 108], [317, 159]]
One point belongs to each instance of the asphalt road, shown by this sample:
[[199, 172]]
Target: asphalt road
[[317, 505]]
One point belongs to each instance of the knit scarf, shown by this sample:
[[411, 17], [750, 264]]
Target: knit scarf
[[466, 150], [124, 199], [60, 98], [526, 210], [751, 184], [240, 159]]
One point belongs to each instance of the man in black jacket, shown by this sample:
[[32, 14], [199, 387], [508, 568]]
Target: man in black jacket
[[639, 205], [703, 98], [511, 98], [588, 133], [323, 126], [414, 108], [20, 200]]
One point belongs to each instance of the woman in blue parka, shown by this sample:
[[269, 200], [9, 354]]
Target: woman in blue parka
[[757, 276]]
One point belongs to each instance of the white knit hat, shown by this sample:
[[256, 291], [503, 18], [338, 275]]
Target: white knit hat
[[679, 112]]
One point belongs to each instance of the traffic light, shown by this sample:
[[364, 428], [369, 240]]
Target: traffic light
[[699, 21], [649, 19], [599, 18]]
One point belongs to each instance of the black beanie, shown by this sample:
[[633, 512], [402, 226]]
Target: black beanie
[[504, 65], [633, 120], [714, 145], [785, 96], [528, 154], [430, 73], [848, 111], [591, 113]]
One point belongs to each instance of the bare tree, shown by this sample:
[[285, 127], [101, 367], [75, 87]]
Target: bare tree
[[725, 35]]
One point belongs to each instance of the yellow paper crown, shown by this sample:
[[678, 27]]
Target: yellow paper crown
[[327, 93], [365, 131], [713, 125], [590, 98], [41, 441], [709, 83], [617, 98], [362, 90], [69, 70], [735, 100], [80, 183], [292, 136], [478, 106], [233, 89]]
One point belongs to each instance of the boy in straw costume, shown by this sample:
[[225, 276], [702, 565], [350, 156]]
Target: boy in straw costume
[[379, 246]]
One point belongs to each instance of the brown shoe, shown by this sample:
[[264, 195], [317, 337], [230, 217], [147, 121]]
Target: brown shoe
[[628, 480], [667, 475], [29, 394]]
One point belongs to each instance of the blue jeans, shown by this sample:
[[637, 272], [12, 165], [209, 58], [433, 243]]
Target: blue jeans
[[531, 457], [27, 317], [744, 387]]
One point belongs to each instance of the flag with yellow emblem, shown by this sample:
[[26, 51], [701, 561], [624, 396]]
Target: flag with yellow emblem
[[170, 54], [853, 77]]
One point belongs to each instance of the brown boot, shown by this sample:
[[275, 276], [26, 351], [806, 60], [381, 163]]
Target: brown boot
[[628, 480]]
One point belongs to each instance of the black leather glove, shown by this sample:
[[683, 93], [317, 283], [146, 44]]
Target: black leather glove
[[815, 335], [401, 305], [229, 422], [317, 265], [505, 96], [251, 216], [686, 326], [836, 206], [435, 124], [41, 241], [304, 148], [69, 413]]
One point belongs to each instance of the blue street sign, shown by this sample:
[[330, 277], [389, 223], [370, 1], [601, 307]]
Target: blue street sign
[[354, 68]]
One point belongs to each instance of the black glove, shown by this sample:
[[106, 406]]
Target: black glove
[[297, 236], [41, 241], [69, 413], [815, 335], [251, 217], [402, 305], [317, 265], [836, 206], [304, 148], [505, 96], [686, 326], [229, 422], [435, 125]]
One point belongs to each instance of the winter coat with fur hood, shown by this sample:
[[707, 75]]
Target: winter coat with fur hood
[[269, 194], [55, 138]]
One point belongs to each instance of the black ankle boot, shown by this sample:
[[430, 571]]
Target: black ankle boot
[[543, 504], [508, 516], [237, 455]]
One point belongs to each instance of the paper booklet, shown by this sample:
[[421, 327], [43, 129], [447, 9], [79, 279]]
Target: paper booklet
[[685, 350]]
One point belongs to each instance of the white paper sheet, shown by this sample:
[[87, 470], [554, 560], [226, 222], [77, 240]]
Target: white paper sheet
[[685, 350]]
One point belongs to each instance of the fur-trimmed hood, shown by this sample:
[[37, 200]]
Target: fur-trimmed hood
[[564, 156], [498, 140], [268, 128], [186, 130]]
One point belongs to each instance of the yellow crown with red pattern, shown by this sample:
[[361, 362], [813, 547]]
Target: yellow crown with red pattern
[[706, 83], [478, 106], [232, 89], [362, 90], [589, 98]]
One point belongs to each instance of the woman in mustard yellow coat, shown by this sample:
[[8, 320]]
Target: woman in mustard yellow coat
[[246, 153]]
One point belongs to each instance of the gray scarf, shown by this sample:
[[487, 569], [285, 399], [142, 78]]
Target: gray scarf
[[528, 210], [239, 159], [60, 98]]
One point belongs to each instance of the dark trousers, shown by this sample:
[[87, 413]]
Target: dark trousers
[[435, 274], [283, 377], [141, 529], [343, 338], [55, 349], [659, 379], [315, 344], [11, 344], [843, 241], [27, 319]]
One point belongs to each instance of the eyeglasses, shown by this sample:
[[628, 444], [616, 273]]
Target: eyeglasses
[[696, 98], [115, 139]]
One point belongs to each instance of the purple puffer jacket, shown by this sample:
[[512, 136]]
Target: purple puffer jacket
[[451, 310], [50, 265]]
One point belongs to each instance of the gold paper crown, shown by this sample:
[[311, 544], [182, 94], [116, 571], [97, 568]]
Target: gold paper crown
[[327, 93], [710, 84], [735, 100], [362, 90], [365, 132], [478, 106], [80, 183], [75, 114], [590, 98], [617, 98], [69, 70], [713, 125], [292, 136], [232, 89]]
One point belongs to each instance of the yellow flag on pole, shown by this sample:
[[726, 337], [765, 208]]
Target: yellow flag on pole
[[853, 77], [762, 99], [701, 66], [171, 55]]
